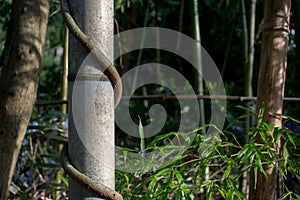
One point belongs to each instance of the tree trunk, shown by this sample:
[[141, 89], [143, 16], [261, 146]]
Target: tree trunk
[[19, 80], [250, 59], [275, 33], [91, 101], [248, 86]]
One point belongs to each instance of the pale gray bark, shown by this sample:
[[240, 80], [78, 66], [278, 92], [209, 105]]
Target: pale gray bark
[[248, 85], [91, 108], [248, 89], [199, 73]]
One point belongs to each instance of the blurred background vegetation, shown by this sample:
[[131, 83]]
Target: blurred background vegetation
[[38, 174]]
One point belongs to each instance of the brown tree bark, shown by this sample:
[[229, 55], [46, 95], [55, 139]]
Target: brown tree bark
[[19, 80], [273, 62]]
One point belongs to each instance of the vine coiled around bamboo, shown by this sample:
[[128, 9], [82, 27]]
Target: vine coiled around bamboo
[[114, 78]]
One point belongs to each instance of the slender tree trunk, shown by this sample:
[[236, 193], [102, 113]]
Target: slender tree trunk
[[199, 73], [250, 59], [248, 87], [64, 97], [19, 80], [275, 33], [198, 58], [64, 82], [245, 37]]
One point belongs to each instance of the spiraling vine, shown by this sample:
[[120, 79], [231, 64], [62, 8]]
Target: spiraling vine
[[114, 78]]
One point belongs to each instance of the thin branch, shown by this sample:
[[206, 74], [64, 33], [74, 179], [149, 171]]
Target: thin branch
[[171, 97]]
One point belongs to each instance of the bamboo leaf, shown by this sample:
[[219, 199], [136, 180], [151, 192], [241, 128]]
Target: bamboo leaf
[[177, 193], [142, 136], [56, 137], [52, 156], [151, 186], [260, 114], [243, 151], [291, 139], [259, 154], [255, 176], [163, 172], [246, 109], [229, 195], [261, 169], [64, 179], [297, 196], [221, 192], [247, 155], [226, 172], [172, 185], [141, 185], [179, 177], [209, 191], [262, 135], [240, 195], [205, 183]]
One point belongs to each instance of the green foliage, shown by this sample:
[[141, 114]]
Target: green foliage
[[5, 10], [185, 178], [123, 4], [38, 172], [227, 161], [49, 85], [50, 78]]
